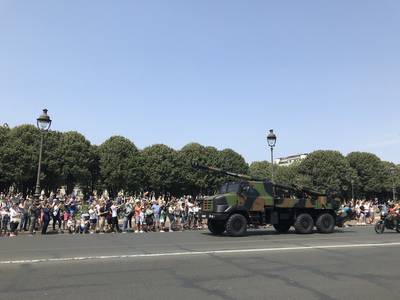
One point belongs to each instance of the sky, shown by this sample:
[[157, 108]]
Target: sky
[[322, 74]]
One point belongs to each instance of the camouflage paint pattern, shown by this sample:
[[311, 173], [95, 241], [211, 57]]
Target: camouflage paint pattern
[[260, 194]]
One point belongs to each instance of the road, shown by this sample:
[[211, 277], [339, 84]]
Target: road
[[353, 263]]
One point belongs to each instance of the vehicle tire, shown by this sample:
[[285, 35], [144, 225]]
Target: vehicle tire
[[379, 227], [216, 227], [236, 225], [398, 227], [325, 223], [304, 224], [282, 227]]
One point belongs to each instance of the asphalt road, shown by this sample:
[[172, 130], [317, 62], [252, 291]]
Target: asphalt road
[[354, 263]]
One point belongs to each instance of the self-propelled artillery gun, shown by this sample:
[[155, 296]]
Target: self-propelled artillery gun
[[257, 202]]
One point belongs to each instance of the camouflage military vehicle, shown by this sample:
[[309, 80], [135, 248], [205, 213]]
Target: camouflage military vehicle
[[260, 201]]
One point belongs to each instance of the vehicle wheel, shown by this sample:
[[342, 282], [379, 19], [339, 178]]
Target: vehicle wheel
[[398, 227], [304, 224], [236, 225], [282, 227], [325, 223], [216, 227], [379, 227]]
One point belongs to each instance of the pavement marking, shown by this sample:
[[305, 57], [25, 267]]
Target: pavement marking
[[188, 253]]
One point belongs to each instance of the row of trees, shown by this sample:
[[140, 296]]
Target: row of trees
[[360, 173], [70, 159]]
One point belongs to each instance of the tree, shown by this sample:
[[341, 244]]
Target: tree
[[119, 165], [195, 181], [260, 169], [76, 154], [52, 161], [327, 171], [371, 174], [5, 175], [20, 156], [160, 169], [232, 161], [289, 175], [390, 177]]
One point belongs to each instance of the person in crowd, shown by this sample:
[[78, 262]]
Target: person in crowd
[[128, 214], [84, 223], [5, 221], [15, 218], [138, 212], [102, 214], [109, 203], [163, 217], [171, 216], [34, 215], [114, 217], [23, 207], [46, 210], [149, 218], [156, 214], [71, 225], [56, 214], [92, 217]]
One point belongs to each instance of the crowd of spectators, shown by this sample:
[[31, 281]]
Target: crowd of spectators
[[140, 214], [97, 214], [363, 212]]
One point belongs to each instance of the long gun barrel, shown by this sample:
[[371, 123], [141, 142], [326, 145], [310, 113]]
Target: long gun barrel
[[221, 171], [246, 177]]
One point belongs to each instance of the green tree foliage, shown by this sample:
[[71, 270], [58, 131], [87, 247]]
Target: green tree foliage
[[5, 174], [52, 161], [289, 175], [160, 169], [390, 177], [260, 169], [194, 181], [232, 161], [119, 168], [69, 159], [76, 156], [327, 171], [371, 174], [20, 156]]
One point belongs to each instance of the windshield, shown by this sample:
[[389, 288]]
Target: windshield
[[230, 187]]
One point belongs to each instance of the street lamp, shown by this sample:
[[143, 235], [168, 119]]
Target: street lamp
[[352, 190], [393, 172], [43, 123], [271, 139]]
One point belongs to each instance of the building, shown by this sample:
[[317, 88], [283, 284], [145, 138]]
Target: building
[[288, 160]]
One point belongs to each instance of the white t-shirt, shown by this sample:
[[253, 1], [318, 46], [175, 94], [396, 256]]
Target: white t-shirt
[[114, 211], [92, 214], [15, 215]]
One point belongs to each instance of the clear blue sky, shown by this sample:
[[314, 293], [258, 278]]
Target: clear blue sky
[[323, 74]]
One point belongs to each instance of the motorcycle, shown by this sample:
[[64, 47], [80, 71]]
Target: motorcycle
[[388, 221]]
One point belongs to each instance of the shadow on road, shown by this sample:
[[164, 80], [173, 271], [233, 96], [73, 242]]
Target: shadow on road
[[261, 232]]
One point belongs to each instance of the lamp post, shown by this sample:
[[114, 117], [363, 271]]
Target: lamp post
[[271, 139], [352, 190], [43, 123], [393, 172]]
